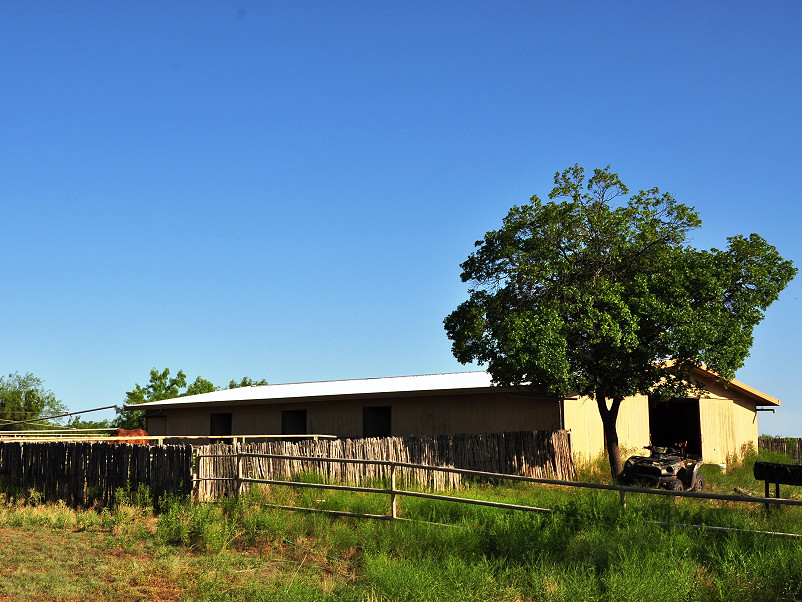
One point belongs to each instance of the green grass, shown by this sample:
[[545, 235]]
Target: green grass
[[244, 550]]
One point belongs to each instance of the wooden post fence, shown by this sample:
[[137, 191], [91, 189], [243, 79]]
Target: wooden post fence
[[540, 454], [85, 474]]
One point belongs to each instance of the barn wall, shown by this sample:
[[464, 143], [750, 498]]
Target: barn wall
[[633, 423], [413, 415], [587, 435], [583, 421], [728, 420]]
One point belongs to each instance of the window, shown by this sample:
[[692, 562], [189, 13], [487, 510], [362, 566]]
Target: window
[[293, 422], [376, 421], [221, 426]]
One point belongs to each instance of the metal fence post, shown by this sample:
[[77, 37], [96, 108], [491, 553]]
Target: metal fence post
[[393, 500], [623, 495]]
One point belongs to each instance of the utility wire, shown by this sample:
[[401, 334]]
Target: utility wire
[[58, 416]]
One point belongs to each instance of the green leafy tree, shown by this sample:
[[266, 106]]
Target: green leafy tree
[[246, 382], [597, 293], [23, 397], [77, 422], [161, 386], [200, 385]]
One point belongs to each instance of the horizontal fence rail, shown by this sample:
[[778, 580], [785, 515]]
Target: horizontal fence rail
[[75, 437], [488, 476], [240, 482]]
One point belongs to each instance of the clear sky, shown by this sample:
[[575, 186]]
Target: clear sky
[[285, 190]]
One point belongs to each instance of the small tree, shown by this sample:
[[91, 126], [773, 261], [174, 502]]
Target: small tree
[[162, 386], [200, 385], [246, 382], [25, 401], [607, 300], [77, 422]]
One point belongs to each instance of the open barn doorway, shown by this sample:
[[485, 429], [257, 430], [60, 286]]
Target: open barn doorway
[[676, 423]]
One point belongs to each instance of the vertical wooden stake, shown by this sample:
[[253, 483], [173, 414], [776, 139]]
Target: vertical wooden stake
[[623, 495], [238, 451], [196, 473], [393, 501]]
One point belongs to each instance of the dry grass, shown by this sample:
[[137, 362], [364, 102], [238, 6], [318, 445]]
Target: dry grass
[[50, 552], [243, 550]]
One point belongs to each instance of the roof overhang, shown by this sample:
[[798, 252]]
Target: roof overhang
[[399, 386], [760, 398]]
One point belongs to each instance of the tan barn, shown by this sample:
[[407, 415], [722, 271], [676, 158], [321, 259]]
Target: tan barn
[[715, 425]]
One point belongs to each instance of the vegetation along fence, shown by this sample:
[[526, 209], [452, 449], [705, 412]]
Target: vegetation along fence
[[240, 481], [81, 473], [223, 468], [86, 473], [784, 445]]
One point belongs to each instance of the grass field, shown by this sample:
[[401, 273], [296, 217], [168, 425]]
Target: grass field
[[243, 550]]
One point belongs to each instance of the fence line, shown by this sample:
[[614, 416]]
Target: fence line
[[784, 445], [393, 491], [89, 472], [82, 473], [541, 454], [75, 437]]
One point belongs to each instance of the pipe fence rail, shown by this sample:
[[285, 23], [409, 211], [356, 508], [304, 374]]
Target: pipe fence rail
[[87, 473], [238, 481]]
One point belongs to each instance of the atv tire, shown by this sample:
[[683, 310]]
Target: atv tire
[[699, 485], [675, 485]]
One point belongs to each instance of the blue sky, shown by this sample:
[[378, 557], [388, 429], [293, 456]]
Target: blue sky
[[285, 190]]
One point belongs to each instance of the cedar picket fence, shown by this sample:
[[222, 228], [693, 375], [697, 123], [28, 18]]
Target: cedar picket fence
[[784, 445], [536, 454], [84, 474]]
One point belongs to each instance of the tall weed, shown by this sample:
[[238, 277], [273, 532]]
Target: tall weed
[[201, 526]]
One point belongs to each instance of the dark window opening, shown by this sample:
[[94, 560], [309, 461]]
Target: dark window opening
[[676, 424], [293, 422], [220, 427], [376, 421]]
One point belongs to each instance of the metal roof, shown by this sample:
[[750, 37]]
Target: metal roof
[[440, 384], [289, 392]]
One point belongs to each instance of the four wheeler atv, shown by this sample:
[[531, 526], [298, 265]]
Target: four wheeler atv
[[665, 468]]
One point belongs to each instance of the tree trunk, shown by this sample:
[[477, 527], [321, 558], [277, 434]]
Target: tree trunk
[[609, 417]]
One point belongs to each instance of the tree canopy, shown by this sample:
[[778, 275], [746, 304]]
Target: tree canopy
[[596, 292], [246, 382], [25, 401], [162, 386]]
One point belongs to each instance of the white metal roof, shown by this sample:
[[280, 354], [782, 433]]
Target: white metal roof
[[332, 388], [367, 387]]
